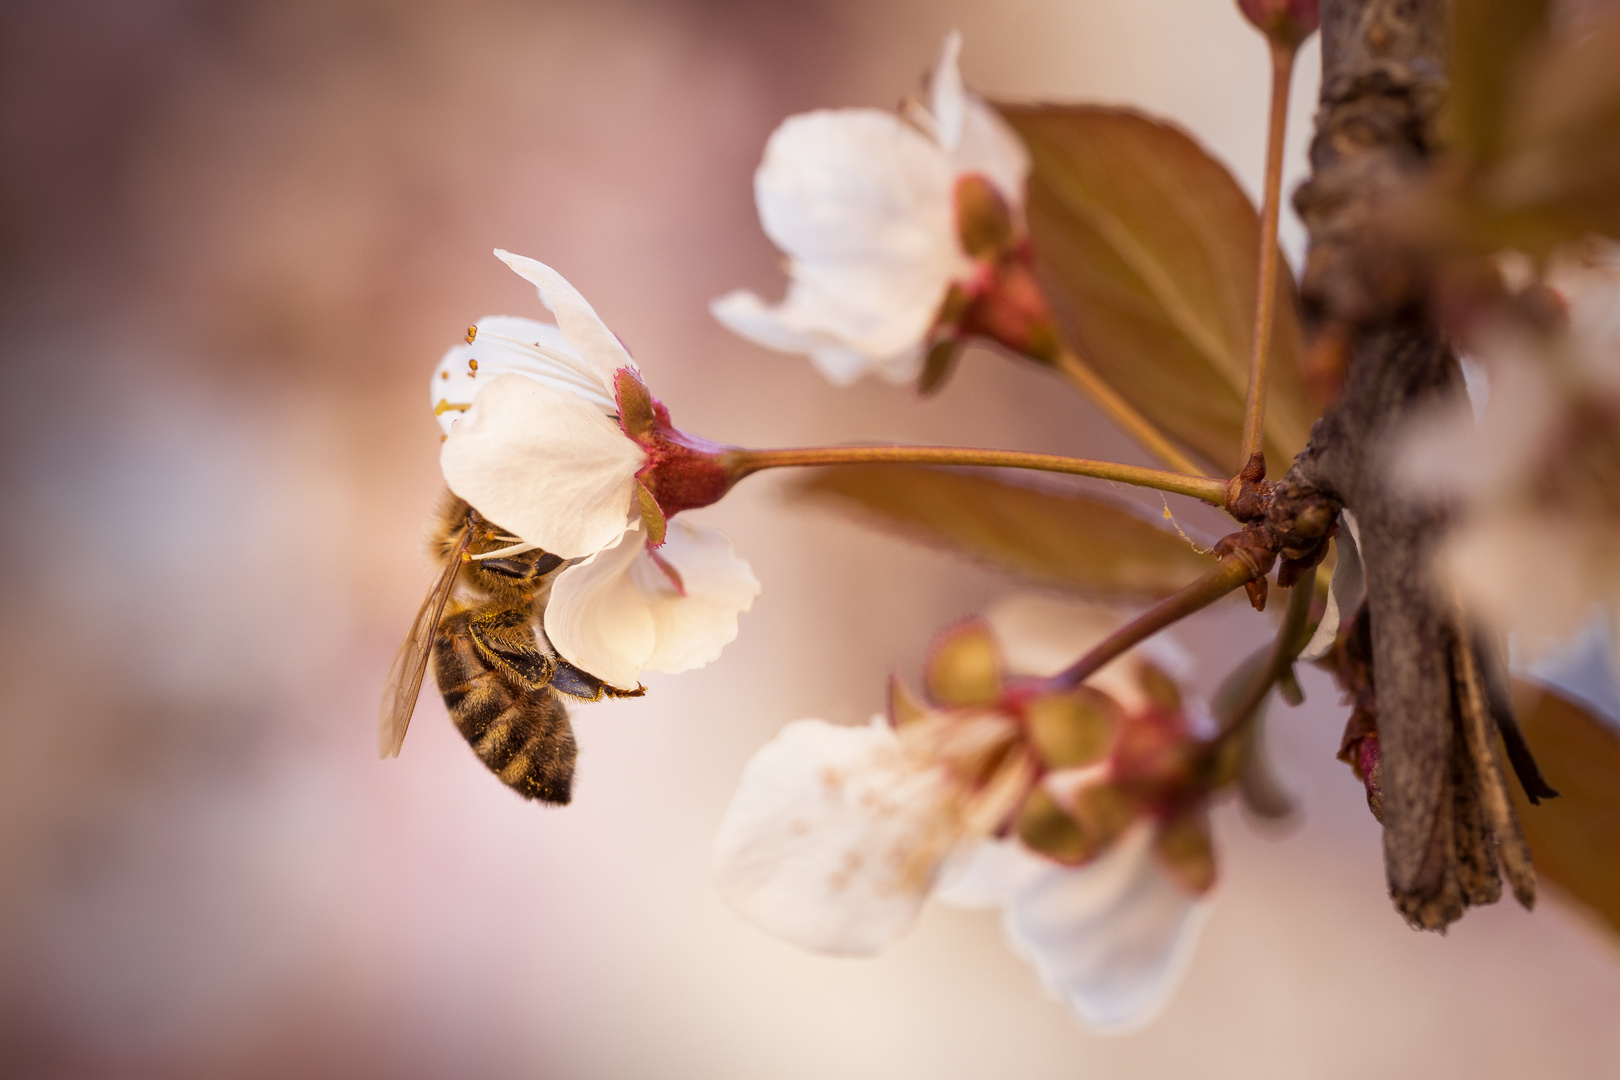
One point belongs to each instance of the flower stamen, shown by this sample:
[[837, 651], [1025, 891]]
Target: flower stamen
[[515, 549]]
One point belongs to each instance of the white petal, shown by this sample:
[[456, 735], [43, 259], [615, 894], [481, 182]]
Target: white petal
[[987, 874], [507, 345], [1112, 938], [598, 618], [691, 629], [991, 148], [1486, 560], [833, 838], [853, 184], [1446, 452], [947, 99], [744, 313], [580, 324], [861, 202], [1348, 586], [974, 136], [544, 464], [791, 326]]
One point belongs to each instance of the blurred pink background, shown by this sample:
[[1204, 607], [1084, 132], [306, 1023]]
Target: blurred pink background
[[235, 240]]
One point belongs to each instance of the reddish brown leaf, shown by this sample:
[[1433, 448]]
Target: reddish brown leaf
[[1149, 251], [1084, 543], [1558, 177], [1575, 838], [1490, 45]]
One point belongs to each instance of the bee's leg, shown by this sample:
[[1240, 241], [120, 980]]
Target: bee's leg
[[528, 570], [570, 680], [507, 641]]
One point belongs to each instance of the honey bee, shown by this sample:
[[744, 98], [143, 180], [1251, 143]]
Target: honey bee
[[500, 685]]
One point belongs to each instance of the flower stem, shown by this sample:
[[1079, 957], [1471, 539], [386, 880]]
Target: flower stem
[[1123, 413], [1290, 640], [1231, 572], [740, 463], [1254, 412]]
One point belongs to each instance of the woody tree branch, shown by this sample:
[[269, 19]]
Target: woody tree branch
[[1383, 80]]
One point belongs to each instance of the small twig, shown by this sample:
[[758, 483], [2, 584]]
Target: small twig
[[1124, 414], [1284, 650], [740, 463], [1254, 411], [1232, 572]]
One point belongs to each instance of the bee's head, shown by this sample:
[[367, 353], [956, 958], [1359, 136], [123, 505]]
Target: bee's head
[[502, 565]]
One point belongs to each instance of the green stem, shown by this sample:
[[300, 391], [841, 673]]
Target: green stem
[[740, 463], [1231, 572], [1290, 640], [1254, 412], [1123, 412]]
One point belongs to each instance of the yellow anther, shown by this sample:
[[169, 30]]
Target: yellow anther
[[448, 406], [472, 332]]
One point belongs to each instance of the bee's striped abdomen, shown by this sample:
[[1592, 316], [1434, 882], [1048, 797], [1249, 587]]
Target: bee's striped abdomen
[[521, 734]]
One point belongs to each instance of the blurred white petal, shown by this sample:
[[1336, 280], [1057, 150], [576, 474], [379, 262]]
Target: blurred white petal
[[861, 202], [991, 148], [1537, 577], [947, 99], [580, 324], [973, 135], [854, 186], [544, 464], [1590, 285], [1113, 938], [1345, 592], [507, 345], [833, 838], [1447, 452], [691, 629], [618, 613], [597, 617], [987, 874], [796, 325], [841, 366]]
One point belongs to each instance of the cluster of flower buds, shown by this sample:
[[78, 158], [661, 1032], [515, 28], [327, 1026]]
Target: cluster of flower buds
[[1094, 760], [1081, 812]]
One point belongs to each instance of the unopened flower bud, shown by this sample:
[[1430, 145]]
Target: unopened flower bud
[[1360, 750], [1286, 22], [984, 222]]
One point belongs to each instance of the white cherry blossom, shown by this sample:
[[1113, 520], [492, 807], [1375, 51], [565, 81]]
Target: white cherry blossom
[[1535, 477], [837, 837], [537, 449], [535, 444], [862, 203], [627, 609], [1112, 938]]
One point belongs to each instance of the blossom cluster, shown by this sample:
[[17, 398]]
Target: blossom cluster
[[1077, 807]]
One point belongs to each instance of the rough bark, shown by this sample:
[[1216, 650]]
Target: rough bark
[[1383, 80]]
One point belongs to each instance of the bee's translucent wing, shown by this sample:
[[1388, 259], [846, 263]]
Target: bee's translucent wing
[[404, 681]]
